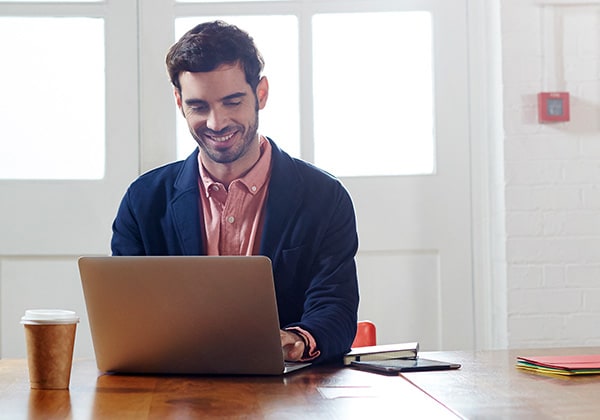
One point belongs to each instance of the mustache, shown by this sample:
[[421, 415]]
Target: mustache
[[219, 133]]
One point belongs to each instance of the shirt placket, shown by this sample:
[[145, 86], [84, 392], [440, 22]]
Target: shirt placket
[[231, 218]]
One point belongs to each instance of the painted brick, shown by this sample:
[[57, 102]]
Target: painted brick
[[552, 250], [583, 276], [590, 146], [533, 172], [519, 95], [524, 223], [541, 147], [579, 327], [591, 301], [582, 223], [591, 197], [523, 43], [552, 301], [554, 276], [527, 72], [582, 69], [551, 176], [583, 172], [527, 21], [548, 197], [523, 329], [521, 120], [526, 277], [586, 93]]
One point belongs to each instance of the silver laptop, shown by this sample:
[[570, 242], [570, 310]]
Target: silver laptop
[[183, 315]]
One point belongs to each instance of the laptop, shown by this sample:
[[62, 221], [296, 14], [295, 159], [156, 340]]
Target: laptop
[[183, 315]]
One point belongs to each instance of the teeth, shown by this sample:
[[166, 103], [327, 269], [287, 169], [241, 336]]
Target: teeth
[[223, 138]]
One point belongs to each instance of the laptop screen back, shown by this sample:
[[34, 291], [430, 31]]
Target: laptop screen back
[[183, 314]]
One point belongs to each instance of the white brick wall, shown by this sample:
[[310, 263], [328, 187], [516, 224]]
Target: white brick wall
[[552, 175]]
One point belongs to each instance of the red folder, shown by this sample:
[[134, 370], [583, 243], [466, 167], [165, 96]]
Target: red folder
[[563, 365]]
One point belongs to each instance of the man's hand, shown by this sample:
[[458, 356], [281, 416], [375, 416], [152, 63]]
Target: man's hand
[[292, 346]]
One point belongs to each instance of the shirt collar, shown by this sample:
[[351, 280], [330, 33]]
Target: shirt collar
[[253, 180]]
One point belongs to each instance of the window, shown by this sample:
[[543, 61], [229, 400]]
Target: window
[[52, 102], [372, 106], [373, 93], [333, 92], [50, 1]]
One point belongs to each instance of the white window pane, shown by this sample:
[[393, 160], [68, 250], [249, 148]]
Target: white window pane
[[277, 39], [50, 1], [221, 1], [373, 93], [52, 101]]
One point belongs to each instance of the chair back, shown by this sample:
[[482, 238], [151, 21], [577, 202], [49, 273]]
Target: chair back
[[366, 334]]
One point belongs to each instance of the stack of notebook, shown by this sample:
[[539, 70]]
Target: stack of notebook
[[585, 364], [382, 352], [392, 359]]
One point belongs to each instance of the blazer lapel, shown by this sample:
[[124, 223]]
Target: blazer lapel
[[282, 200], [185, 208]]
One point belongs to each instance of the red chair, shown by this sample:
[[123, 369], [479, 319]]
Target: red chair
[[366, 334]]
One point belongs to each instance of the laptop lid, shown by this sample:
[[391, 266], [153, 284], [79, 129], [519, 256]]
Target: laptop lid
[[183, 314]]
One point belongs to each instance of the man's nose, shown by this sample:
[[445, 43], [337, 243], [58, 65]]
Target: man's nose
[[217, 120]]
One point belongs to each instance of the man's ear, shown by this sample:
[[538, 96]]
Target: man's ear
[[178, 100], [262, 92]]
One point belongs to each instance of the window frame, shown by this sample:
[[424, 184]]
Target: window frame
[[36, 215], [156, 36]]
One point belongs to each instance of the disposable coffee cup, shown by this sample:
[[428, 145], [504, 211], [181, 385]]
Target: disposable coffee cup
[[50, 337]]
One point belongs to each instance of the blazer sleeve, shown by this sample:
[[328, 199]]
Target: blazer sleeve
[[126, 238], [331, 300], [311, 236]]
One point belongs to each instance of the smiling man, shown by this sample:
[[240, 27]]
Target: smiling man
[[221, 110], [239, 194]]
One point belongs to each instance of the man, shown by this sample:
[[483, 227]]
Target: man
[[239, 194]]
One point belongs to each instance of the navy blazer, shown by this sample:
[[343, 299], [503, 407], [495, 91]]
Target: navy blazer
[[309, 235]]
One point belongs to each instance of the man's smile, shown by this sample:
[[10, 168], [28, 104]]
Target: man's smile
[[221, 138]]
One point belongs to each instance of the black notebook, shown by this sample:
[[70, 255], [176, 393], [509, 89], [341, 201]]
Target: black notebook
[[394, 366]]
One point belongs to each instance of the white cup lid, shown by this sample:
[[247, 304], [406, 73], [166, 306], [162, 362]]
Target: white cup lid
[[49, 316]]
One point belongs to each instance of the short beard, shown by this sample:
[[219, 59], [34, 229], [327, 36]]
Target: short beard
[[231, 156]]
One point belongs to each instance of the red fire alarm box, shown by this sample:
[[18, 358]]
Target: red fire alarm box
[[553, 106]]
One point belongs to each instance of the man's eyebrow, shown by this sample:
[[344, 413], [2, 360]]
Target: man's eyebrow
[[196, 102], [234, 96]]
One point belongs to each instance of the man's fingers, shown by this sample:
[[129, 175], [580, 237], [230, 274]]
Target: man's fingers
[[296, 352], [292, 346]]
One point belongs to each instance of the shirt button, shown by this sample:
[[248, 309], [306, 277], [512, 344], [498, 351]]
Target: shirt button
[[231, 219], [253, 188]]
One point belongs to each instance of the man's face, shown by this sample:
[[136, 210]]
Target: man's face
[[221, 111]]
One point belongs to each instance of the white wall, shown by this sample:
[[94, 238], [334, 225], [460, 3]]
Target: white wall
[[552, 173], [544, 198]]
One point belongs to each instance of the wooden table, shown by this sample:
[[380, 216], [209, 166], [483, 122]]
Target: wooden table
[[312, 393], [488, 386]]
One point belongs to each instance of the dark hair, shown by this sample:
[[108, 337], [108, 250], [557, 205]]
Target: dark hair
[[210, 44]]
